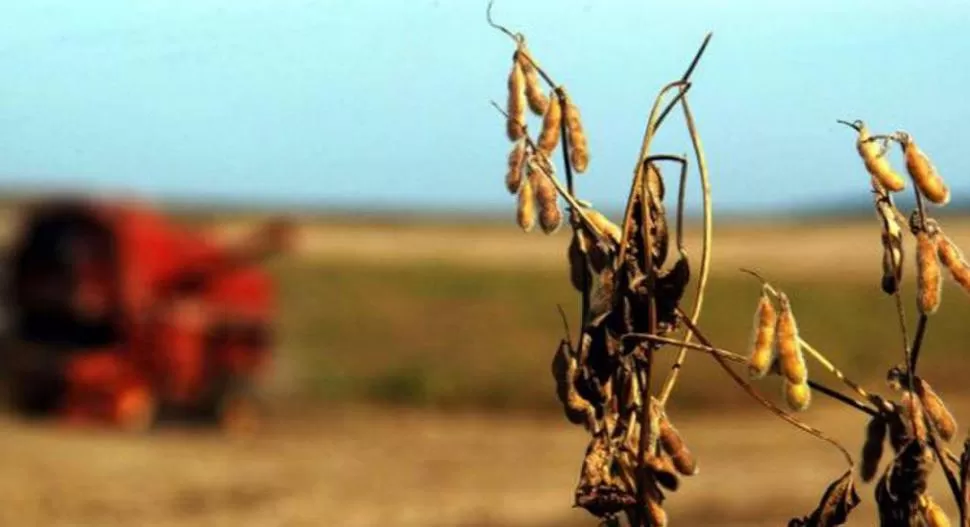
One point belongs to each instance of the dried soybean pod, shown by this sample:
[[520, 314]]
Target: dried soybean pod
[[873, 447], [673, 444], [604, 225], [928, 280], [922, 171], [538, 102], [951, 257], [791, 362], [515, 124], [655, 512], [549, 136], [877, 166], [798, 396], [525, 213], [550, 216], [513, 178], [579, 149], [933, 405], [578, 268], [892, 246], [914, 415], [763, 339], [932, 513]]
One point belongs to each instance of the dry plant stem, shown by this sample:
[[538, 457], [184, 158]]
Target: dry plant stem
[[739, 359], [758, 397], [638, 178], [706, 247]]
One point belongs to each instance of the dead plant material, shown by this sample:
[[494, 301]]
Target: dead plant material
[[631, 278], [837, 502], [551, 124], [579, 153], [872, 449], [952, 258], [763, 340], [538, 102], [791, 361], [515, 124], [936, 410], [874, 159], [923, 172], [513, 177], [929, 279], [525, 213]]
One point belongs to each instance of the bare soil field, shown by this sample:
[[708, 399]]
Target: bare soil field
[[370, 467]]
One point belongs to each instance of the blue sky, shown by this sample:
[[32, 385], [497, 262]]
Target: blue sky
[[381, 103]]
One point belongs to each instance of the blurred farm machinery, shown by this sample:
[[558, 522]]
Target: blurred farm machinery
[[118, 316]]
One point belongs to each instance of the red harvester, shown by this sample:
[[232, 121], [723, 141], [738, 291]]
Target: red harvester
[[118, 316]]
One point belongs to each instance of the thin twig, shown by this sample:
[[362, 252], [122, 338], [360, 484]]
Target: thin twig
[[503, 29], [740, 359]]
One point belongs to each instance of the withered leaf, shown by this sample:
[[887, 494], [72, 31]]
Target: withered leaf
[[837, 502]]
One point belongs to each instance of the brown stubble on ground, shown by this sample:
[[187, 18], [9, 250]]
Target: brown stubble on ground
[[369, 467]]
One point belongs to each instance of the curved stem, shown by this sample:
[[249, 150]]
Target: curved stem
[[705, 249], [488, 18]]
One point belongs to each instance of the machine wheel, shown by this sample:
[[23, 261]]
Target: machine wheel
[[237, 408], [136, 410]]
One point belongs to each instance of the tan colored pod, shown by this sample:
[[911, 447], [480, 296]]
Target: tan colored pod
[[551, 123], [516, 163], [932, 513], [929, 280], [763, 338], [673, 444], [515, 124], [604, 225], [579, 149], [538, 102], [878, 166], [791, 361], [798, 397], [525, 214], [936, 410], [923, 173], [952, 258]]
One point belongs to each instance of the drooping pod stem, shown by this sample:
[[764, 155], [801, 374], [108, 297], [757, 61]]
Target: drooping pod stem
[[923, 172]]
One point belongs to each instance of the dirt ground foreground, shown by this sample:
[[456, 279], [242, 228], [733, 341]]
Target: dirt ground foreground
[[368, 467]]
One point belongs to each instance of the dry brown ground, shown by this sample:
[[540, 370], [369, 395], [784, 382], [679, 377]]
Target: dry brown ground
[[369, 467]]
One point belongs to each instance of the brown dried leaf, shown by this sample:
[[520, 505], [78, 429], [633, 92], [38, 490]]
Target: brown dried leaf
[[837, 502]]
